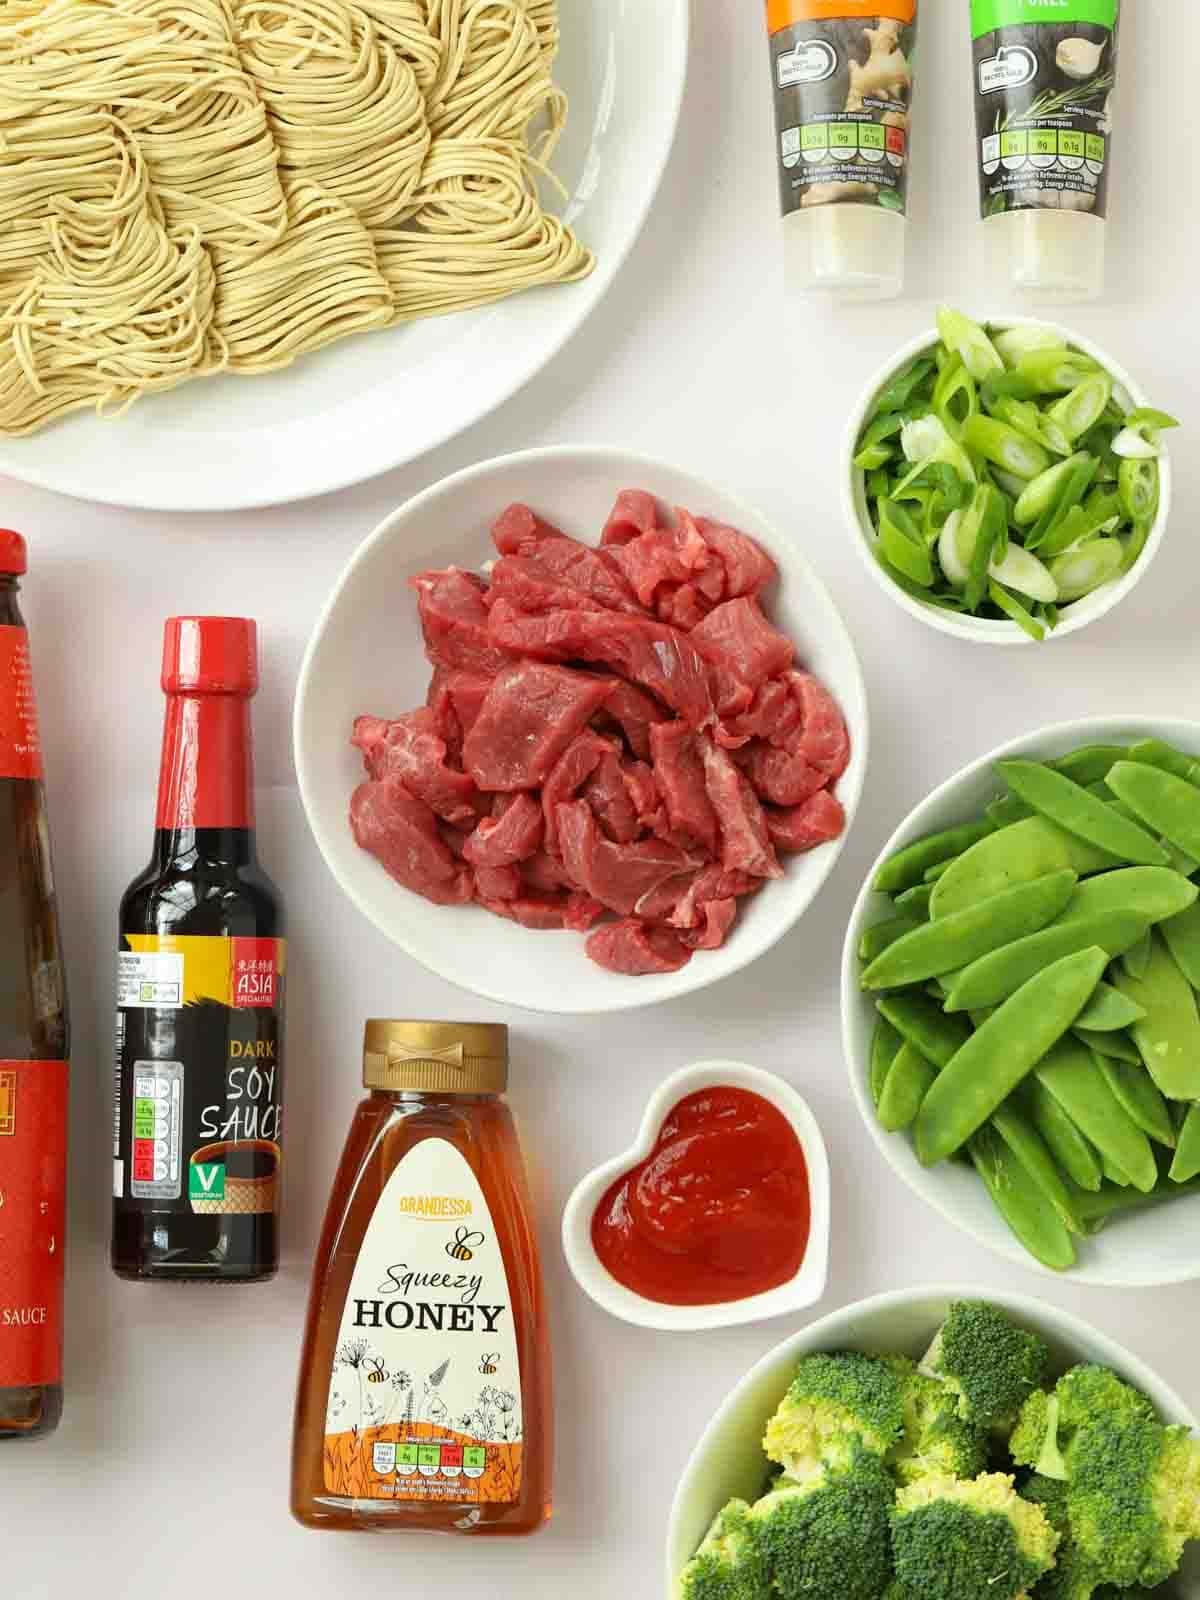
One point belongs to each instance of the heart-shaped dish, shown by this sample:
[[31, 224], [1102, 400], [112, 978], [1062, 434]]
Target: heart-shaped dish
[[804, 1289]]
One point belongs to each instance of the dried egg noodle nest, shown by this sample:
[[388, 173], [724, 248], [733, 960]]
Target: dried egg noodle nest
[[194, 186]]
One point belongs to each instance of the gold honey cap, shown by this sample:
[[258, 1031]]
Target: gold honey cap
[[446, 1057]]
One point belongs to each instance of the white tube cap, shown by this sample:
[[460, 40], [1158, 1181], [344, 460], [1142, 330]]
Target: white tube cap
[[1052, 257], [850, 251]]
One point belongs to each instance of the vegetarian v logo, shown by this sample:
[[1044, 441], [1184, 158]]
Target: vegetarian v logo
[[206, 1180]]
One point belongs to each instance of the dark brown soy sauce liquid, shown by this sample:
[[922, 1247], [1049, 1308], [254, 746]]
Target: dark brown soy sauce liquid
[[200, 881], [33, 1025]]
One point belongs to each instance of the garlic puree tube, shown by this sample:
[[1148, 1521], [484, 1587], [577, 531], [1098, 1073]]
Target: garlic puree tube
[[842, 78], [1044, 73]]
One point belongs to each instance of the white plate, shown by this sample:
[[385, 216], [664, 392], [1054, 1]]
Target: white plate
[[728, 1461], [366, 656], [1144, 1249], [378, 400]]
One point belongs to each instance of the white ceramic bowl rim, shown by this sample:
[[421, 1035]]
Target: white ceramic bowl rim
[[929, 1184], [805, 1288], [832, 1331], [987, 630], [794, 893]]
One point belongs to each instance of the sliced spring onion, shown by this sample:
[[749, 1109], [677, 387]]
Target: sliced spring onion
[[955, 398], [969, 342], [1131, 445], [1015, 611], [1012, 343], [926, 443], [1005, 447], [1071, 491], [1138, 439], [1055, 371], [1078, 572], [903, 544], [1138, 489], [1041, 495], [898, 391], [1078, 412], [1021, 570], [1025, 417]]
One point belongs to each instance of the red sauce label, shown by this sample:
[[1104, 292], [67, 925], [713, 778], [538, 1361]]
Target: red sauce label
[[20, 747], [719, 1210], [33, 1161]]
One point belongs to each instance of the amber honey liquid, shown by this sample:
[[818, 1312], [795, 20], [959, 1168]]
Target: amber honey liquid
[[330, 1492]]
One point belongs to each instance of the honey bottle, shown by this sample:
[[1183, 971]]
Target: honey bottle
[[424, 1394]]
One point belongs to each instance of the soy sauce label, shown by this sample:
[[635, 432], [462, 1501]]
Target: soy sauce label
[[1044, 73], [198, 1117], [424, 1398], [842, 79], [33, 1164], [20, 745]]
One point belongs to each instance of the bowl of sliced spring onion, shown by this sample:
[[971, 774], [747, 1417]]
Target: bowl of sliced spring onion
[[1021, 1000], [1006, 482]]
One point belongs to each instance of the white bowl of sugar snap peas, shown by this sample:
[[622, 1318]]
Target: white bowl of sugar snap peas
[[1059, 985], [1091, 499]]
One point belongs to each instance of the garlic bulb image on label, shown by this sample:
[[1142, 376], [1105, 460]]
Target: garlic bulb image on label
[[1078, 58]]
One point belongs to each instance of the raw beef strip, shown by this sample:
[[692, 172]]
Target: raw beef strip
[[637, 949], [682, 605], [823, 739], [818, 820], [608, 795], [745, 842], [574, 911], [748, 567], [531, 714], [617, 875], [445, 717], [518, 532], [512, 833], [497, 883], [410, 749], [544, 873], [710, 884], [679, 773], [664, 555], [647, 799], [532, 587], [783, 777], [635, 512], [401, 832], [719, 917], [634, 712], [737, 636], [467, 692], [731, 695], [454, 621], [570, 772], [772, 712], [658, 658]]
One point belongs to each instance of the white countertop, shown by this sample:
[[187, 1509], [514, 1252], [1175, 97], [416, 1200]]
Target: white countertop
[[169, 1473]]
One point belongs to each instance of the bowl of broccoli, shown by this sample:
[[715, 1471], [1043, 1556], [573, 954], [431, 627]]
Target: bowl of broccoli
[[923, 1445]]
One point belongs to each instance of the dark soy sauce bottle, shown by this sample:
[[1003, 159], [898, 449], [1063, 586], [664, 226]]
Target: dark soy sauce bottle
[[33, 1050], [198, 1094]]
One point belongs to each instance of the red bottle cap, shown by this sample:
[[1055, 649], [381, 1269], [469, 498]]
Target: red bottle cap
[[210, 655], [12, 553]]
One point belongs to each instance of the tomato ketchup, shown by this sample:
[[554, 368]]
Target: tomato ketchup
[[719, 1210]]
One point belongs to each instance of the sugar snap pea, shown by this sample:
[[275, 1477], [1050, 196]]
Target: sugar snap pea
[[1136, 1090], [988, 1067], [1013, 855], [1182, 933], [1158, 753], [1099, 1209], [909, 1080], [993, 977], [1136, 960], [1187, 1152], [924, 1025], [1113, 1173], [1109, 1010], [1070, 805], [1090, 763], [1070, 1149], [1168, 1036], [1113, 1046], [1030, 1149], [955, 940], [907, 867], [1169, 805], [1005, 810], [914, 902], [932, 874], [1020, 1202], [1150, 892], [885, 1043], [1073, 1076], [879, 935]]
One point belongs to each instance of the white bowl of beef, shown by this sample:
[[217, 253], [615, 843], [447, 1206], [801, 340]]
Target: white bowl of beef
[[639, 755]]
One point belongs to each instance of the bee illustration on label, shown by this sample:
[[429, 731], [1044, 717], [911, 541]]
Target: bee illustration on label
[[464, 1245], [378, 1372], [487, 1364]]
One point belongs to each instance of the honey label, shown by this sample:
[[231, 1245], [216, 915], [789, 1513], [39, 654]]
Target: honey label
[[198, 1096], [425, 1390], [33, 1162], [20, 746]]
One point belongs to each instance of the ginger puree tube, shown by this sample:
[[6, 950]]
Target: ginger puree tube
[[424, 1397], [842, 80]]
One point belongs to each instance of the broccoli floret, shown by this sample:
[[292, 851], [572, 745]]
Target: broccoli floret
[[1048, 1422], [827, 1537], [1132, 1498], [977, 1540], [935, 1437], [989, 1364], [1051, 1495], [729, 1564], [836, 1403]]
